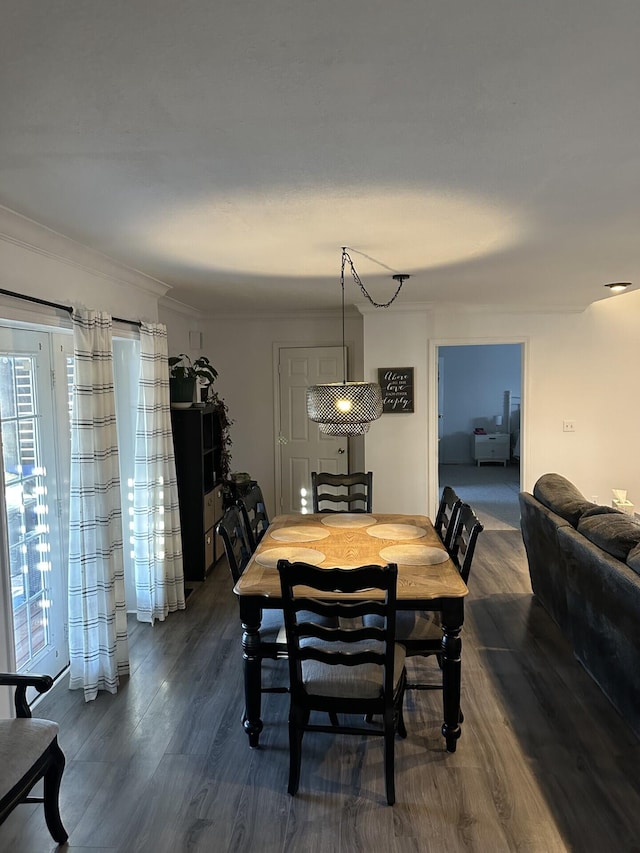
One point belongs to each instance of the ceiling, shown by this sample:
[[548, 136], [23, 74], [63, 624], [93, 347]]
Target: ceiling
[[229, 148]]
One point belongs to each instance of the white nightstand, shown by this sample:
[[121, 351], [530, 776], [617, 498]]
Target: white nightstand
[[492, 447]]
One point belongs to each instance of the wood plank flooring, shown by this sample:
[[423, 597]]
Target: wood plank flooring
[[544, 763]]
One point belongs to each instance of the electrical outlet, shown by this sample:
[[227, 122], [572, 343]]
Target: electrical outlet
[[568, 426]]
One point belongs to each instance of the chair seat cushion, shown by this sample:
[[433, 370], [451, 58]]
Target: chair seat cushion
[[350, 682], [22, 743]]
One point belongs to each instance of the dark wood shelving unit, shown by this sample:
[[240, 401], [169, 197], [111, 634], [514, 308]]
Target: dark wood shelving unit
[[197, 442]]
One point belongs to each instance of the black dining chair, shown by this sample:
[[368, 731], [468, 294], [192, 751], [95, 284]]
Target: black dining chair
[[30, 753], [350, 669], [231, 529], [420, 632], [254, 513], [446, 516], [344, 492], [273, 643]]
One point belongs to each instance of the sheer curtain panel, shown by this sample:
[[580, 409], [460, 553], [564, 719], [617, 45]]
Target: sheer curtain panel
[[157, 543], [98, 644]]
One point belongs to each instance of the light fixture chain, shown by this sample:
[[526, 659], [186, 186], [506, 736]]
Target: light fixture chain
[[356, 278], [347, 408]]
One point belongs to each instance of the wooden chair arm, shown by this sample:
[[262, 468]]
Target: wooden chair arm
[[42, 683]]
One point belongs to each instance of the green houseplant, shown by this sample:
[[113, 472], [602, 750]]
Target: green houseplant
[[225, 422], [183, 375]]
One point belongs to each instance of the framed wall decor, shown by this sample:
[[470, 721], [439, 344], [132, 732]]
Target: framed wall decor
[[397, 389]]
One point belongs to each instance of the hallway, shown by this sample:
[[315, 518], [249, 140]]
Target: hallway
[[492, 490]]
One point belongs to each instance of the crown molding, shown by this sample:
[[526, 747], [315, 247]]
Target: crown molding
[[171, 304], [25, 233], [484, 308], [403, 308], [249, 317]]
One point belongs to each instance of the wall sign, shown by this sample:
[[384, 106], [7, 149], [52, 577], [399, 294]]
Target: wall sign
[[397, 388]]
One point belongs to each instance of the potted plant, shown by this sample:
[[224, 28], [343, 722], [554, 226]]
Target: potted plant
[[183, 375], [225, 422]]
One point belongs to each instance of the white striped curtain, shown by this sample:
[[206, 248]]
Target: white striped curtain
[[157, 542], [98, 644]]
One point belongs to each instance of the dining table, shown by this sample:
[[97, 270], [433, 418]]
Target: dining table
[[428, 579]]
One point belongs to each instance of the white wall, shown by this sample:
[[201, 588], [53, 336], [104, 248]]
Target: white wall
[[38, 262], [242, 350], [396, 445], [186, 329], [577, 366]]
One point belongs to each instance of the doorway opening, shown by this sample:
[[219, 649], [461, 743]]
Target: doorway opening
[[479, 425]]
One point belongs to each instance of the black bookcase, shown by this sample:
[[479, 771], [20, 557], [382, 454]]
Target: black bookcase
[[198, 449]]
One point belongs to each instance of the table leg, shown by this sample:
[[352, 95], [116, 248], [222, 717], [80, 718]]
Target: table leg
[[451, 667], [252, 664]]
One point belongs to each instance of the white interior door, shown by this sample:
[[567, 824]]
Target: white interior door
[[35, 446], [303, 448]]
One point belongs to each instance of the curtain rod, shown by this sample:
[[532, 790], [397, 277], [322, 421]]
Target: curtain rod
[[57, 305]]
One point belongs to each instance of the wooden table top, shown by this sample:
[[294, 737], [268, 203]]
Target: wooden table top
[[348, 546]]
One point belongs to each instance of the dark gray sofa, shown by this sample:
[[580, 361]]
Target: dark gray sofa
[[584, 562]]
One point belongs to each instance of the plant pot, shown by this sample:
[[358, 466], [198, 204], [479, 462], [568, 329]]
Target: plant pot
[[182, 390]]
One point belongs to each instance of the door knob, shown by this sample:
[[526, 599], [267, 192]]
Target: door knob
[[341, 450]]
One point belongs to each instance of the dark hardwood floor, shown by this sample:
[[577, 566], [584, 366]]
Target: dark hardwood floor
[[544, 763]]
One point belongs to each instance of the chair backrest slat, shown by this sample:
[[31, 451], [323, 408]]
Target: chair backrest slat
[[232, 531], [446, 516], [463, 545], [254, 513], [353, 492], [350, 610], [345, 635]]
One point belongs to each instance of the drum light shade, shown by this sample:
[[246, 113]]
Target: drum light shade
[[344, 429], [340, 404], [347, 408]]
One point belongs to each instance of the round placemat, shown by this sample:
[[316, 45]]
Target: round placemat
[[299, 533], [269, 558], [414, 555], [396, 531], [349, 519]]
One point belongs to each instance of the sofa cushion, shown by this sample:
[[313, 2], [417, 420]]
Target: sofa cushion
[[560, 496], [615, 533], [633, 559], [601, 509]]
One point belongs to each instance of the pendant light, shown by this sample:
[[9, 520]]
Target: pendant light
[[348, 408], [618, 286]]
